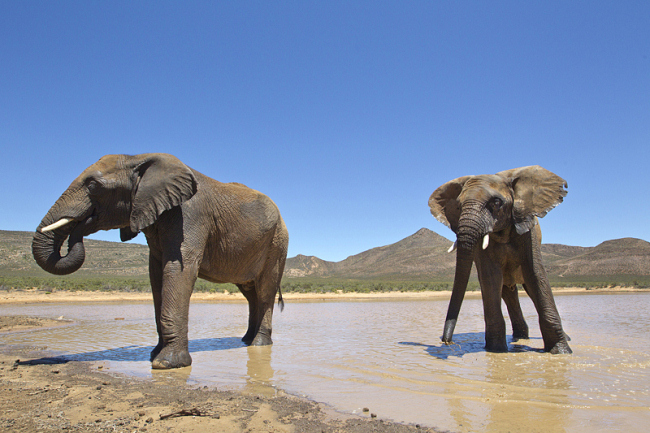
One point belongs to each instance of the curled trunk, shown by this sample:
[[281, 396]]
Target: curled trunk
[[46, 248]]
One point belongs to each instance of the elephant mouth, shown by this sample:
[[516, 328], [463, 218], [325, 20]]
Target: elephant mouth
[[72, 224]]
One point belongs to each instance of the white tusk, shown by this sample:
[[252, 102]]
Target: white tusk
[[486, 241], [452, 248], [56, 225]]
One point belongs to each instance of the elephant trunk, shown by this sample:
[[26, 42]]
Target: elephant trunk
[[472, 226], [46, 249], [46, 244]]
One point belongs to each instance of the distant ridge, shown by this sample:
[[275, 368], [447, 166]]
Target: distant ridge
[[627, 256], [423, 255]]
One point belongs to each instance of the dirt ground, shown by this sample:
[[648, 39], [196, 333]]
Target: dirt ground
[[43, 393]]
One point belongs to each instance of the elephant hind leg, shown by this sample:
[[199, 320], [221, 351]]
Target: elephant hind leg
[[266, 291], [511, 298], [266, 288], [249, 292]]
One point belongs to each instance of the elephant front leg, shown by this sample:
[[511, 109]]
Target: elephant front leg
[[155, 277], [511, 298], [539, 290], [177, 284], [491, 280]]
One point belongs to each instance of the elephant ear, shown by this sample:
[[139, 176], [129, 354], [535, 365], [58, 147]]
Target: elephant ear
[[444, 202], [160, 182], [535, 192]]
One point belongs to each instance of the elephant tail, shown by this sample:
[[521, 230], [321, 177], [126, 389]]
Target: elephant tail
[[280, 300]]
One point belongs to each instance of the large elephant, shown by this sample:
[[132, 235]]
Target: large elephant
[[495, 221], [195, 227]]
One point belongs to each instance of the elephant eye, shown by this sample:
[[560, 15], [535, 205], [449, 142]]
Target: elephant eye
[[495, 204], [93, 186]]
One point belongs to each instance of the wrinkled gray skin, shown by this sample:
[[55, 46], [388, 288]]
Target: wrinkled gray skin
[[504, 206], [195, 227]]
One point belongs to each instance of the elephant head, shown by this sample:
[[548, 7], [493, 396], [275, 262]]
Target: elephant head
[[485, 208], [118, 191]]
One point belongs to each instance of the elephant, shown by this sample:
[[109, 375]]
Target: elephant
[[195, 227], [495, 221]]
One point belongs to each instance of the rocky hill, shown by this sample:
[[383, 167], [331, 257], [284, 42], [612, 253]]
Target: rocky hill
[[422, 255], [628, 256]]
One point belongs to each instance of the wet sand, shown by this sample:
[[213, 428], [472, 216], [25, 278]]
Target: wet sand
[[39, 392]]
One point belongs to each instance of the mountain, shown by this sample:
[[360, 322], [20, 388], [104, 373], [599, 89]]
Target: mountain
[[423, 255], [303, 266], [627, 256]]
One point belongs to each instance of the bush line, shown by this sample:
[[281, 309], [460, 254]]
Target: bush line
[[296, 285]]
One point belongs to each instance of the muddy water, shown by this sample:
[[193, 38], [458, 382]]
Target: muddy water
[[387, 356]]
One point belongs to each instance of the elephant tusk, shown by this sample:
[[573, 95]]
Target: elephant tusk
[[56, 225], [453, 247], [486, 241]]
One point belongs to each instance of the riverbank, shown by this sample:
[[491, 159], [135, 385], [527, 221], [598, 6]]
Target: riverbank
[[65, 296], [39, 392]]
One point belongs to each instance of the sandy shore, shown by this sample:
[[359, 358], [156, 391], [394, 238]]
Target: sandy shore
[[39, 296]]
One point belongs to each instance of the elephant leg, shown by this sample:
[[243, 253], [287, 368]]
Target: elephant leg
[[249, 292], [511, 298], [539, 290], [266, 287], [491, 280], [155, 277], [177, 285]]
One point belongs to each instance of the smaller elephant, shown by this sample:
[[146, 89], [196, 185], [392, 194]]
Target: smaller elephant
[[195, 227], [495, 221]]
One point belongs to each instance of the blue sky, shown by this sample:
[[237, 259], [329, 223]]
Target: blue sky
[[347, 114]]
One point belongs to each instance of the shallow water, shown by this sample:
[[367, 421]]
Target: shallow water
[[387, 356]]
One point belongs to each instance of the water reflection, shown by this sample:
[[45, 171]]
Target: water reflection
[[259, 373]]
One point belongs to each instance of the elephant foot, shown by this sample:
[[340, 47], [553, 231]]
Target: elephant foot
[[561, 347], [496, 347], [520, 334], [168, 358], [262, 339]]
